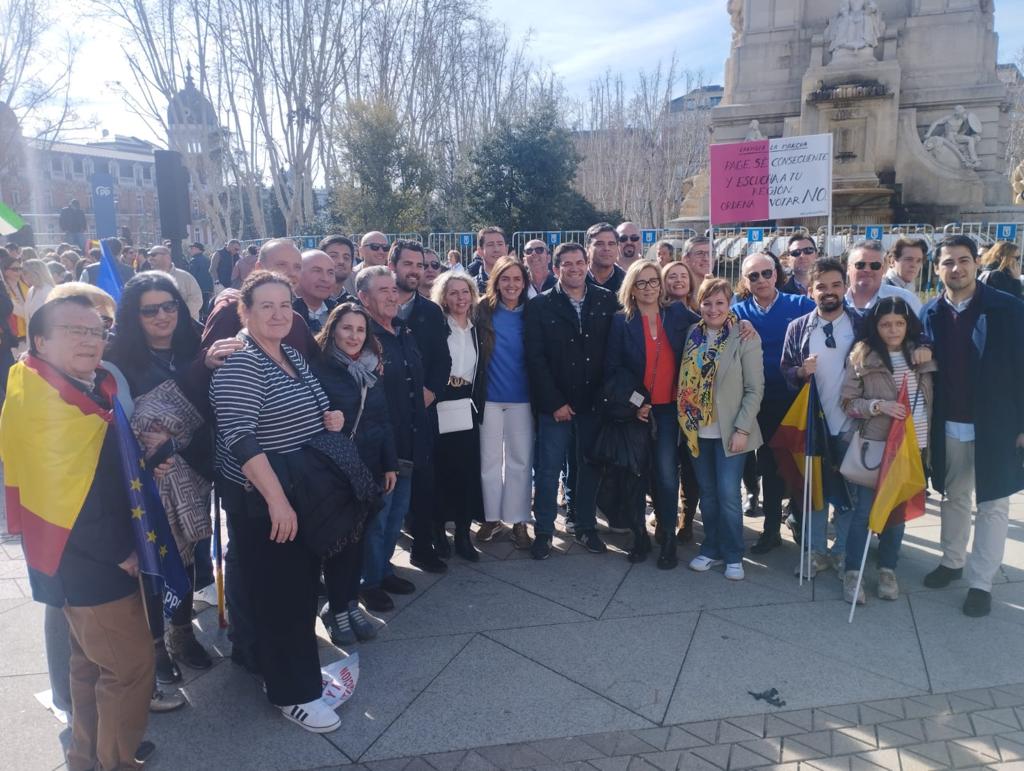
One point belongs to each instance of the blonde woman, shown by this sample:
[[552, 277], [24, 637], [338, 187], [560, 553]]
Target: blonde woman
[[40, 282], [680, 285], [1001, 266], [721, 382]]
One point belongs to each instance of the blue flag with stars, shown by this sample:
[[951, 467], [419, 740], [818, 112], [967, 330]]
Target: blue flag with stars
[[154, 544], [109, 279]]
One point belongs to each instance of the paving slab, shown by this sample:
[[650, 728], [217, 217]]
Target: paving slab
[[29, 739]]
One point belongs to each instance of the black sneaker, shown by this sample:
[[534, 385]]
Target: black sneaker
[[167, 672], [144, 752], [766, 543], [978, 603], [361, 625], [377, 600], [338, 626], [591, 541], [751, 508], [942, 577], [429, 563], [392, 584], [540, 549]]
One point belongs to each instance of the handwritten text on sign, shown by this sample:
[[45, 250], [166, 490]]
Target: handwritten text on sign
[[771, 179]]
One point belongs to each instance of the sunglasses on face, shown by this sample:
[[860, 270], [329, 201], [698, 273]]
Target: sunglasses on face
[[535, 250], [377, 247], [151, 311], [766, 273], [624, 239], [643, 283], [433, 265], [862, 265], [804, 250]]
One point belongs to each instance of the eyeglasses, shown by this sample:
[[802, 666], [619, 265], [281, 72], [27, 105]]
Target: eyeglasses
[[535, 250], [803, 250], [107, 321], [828, 329], [624, 239], [150, 311], [643, 283], [376, 247], [766, 273], [81, 333], [873, 265], [433, 265]]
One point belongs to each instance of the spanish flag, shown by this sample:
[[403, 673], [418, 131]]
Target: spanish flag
[[804, 433], [899, 496], [50, 439]]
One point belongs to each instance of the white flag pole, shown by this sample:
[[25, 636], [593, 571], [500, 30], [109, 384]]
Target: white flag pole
[[805, 523], [860, 577]]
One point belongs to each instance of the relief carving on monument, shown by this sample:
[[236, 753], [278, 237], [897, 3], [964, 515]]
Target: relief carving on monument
[[952, 140], [855, 31], [753, 132]]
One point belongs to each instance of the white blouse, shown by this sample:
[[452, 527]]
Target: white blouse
[[463, 351]]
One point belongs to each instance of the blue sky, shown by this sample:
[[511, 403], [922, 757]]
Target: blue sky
[[579, 40]]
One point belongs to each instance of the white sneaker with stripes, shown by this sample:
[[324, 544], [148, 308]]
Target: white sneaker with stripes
[[314, 716]]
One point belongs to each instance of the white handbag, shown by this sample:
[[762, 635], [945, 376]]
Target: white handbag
[[454, 415], [862, 461]]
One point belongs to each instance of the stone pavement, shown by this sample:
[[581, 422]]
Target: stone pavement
[[586, 661]]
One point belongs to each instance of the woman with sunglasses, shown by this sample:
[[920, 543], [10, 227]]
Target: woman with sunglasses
[[875, 373], [645, 343], [432, 268], [155, 348]]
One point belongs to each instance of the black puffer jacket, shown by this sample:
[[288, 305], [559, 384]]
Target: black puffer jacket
[[374, 437]]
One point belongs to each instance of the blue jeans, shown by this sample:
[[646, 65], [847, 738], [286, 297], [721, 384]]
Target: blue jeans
[[665, 465], [718, 477], [888, 542], [819, 519], [382, 533], [555, 442]]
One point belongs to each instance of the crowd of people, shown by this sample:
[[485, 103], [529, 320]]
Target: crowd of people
[[332, 398]]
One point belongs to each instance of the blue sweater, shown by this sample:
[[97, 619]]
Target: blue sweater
[[506, 371], [771, 326]]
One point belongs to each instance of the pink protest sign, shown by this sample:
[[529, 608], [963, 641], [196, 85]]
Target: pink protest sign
[[739, 190], [783, 178]]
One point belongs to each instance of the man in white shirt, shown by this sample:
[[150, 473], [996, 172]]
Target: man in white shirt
[[864, 270], [160, 259]]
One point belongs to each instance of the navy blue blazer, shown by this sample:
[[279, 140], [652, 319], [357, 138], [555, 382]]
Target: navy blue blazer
[[626, 349]]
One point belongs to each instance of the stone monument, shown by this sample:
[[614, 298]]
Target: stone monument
[[908, 88]]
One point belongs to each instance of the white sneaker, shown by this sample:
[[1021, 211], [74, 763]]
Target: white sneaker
[[702, 564], [734, 571], [314, 716]]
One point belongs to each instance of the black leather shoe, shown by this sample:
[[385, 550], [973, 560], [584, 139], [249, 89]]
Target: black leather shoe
[[591, 541], [442, 546], [942, 577], [978, 603], [659, 534], [392, 584], [766, 543], [667, 559], [144, 752], [685, 534], [641, 548], [167, 671], [429, 563], [377, 600], [464, 547], [540, 549]]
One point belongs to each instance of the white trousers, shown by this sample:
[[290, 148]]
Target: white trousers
[[506, 461], [990, 524]]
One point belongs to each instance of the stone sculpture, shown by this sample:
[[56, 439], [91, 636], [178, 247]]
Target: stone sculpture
[[753, 132], [855, 31], [958, 131]]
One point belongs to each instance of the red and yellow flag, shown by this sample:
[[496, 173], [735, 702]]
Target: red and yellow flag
[[50, 439], [899, 496], [793, 440]]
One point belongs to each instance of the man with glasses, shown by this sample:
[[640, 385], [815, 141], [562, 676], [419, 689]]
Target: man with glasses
[[817, 344], [800, 256], [630, 248], [697, 255], [373, 250], [538, 263], [160, 259], [770, 312], [490, 246], [603, 255], [864, 270]]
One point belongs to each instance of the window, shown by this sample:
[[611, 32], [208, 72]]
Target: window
[[147, 174], [56, 166], [138, 204], [125, 170], [78, 166], [16, 197]]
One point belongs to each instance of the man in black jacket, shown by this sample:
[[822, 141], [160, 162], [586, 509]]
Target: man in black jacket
[[426, 322], [566, 337], [72, 222]]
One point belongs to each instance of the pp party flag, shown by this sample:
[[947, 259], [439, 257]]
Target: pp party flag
[[899, 496], [154, 545], [804, 434], [51, 434], [109, 279], [10, 222]]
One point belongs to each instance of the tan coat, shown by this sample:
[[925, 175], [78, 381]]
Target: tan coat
[[739, 386], [868, 379]]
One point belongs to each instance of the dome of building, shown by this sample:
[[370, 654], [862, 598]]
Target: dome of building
[[189, 107]]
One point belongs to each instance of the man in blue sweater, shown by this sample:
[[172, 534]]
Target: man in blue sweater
[[770, 312]]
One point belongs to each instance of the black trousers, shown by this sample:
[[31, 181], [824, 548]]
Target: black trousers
[[688, 480], [341, 575], [459, 496], [774, 488], [281, 580]]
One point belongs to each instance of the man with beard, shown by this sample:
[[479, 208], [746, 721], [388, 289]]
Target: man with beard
[[630, 247], [427, 323]]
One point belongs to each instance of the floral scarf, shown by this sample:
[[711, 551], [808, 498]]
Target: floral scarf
[[697, 380]]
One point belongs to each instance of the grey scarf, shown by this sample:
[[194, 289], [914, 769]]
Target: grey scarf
[[363, 370]]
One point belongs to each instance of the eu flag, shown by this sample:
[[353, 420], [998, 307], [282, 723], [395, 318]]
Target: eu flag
[[109, 279], [154, 544]]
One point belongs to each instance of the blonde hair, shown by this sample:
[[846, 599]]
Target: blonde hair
[[712, 286], [1002, 255], [36, 270], [626, 299], [100, 300], [691, 294], [440, 288]]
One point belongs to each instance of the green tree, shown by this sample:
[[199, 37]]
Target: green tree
[[520, 176]]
